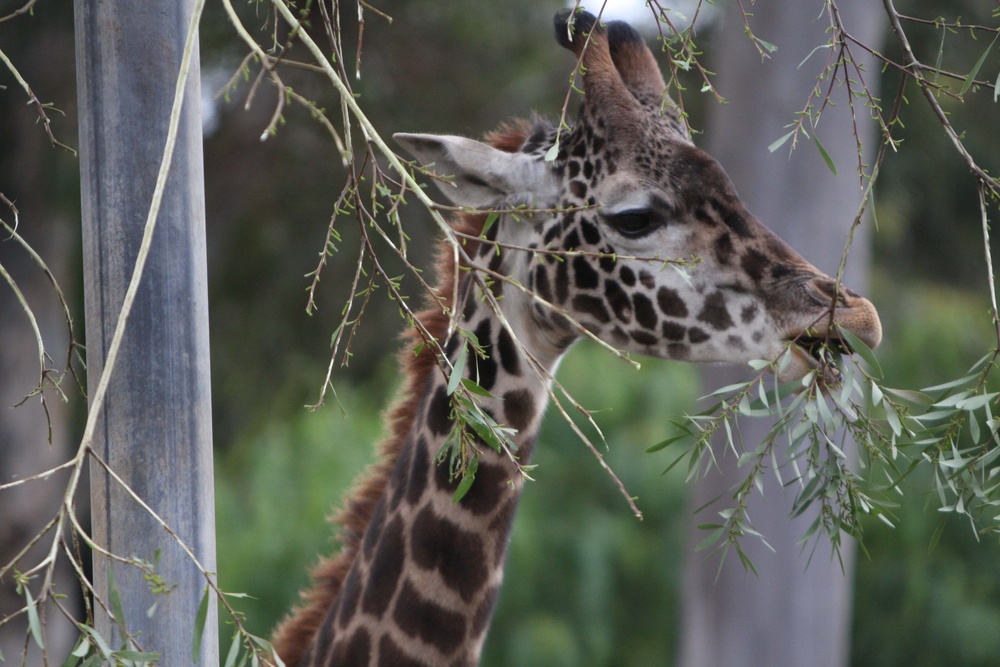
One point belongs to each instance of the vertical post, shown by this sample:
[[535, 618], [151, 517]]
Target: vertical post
[[155, 426], [789, 614]]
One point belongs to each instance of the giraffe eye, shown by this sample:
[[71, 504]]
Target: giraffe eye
[[634, 223]]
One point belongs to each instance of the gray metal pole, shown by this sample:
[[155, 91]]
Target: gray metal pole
[[155, 428]]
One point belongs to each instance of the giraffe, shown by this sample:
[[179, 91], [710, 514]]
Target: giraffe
[[418, 575]]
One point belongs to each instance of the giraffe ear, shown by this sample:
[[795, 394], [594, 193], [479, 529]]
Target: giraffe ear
[[477, 174]]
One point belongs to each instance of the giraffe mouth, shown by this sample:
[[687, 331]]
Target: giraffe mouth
[[818, 351]]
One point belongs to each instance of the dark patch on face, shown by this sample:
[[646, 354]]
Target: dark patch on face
[[618, 299], [585, 274], [591, 234], [755, 264], [541, 286], [357, 651], [578, 189], [574, 169], [592, 306], [562, 282], [389, 653], [484, 612], [748, 313], [644, 337], [619, 334], [552, 234], [572, 240], [779, 271], [496, 262], [627, 276], [519, 407], [758, 336], [386, 568], [737, 342], [714, 312], [647, 279], [417, 483], [645, 314], [588, 170], [733, 219], [509, 356], [678, 351], [426, 620], [374, 528], [671, 303], [457, 554], [724, 248], [486, 369], [674, 331], [697, 335], [439, 412], [607, 261]]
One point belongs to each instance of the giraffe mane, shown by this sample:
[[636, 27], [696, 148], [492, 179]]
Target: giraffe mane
[[295, 633]]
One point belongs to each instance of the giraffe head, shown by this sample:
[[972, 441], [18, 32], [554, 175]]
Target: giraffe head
[[625, 191]]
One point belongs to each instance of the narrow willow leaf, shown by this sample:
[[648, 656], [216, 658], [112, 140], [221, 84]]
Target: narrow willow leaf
[[712, 538], [33, 621], [457, 370], [234, 651], [859, 348], [960, 382], [975, 70], [826, 156], [768, 46], [663, 444], [136, 656], [99, 641], [552, 153], [467, 479], [475, 388], [82, 647], [116, 603], [199, 625], [780, 141]]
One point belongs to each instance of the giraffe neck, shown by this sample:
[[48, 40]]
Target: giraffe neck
[[423, 583]]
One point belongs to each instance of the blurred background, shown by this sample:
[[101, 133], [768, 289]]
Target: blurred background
[[586, 584]]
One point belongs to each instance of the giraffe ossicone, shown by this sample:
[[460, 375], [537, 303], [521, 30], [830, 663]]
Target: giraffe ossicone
[[418, 575]]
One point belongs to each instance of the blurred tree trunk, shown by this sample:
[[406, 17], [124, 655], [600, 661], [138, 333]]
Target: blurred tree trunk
[[792, 614]]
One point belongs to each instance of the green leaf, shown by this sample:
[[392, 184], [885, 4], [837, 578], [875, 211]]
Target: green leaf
[[82, 647], [467, 479], [826, 156], [136, 656], [768, 46], [780, 141], [474, 387], [199, 625], [116, 603], [975, 70], [33, 622], [234, 651], [457, 369], [861, 349], [663, 444], [553, 152]]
